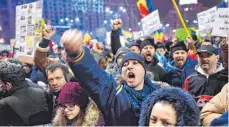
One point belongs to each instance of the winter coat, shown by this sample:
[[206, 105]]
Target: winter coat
[[115, 101], [203, 87], [221, 121], [157, 70], [26, 106], [115, 41], [183, 103], [224, 48], [217, 106], [41, 57], [91, 117], [177, 76]]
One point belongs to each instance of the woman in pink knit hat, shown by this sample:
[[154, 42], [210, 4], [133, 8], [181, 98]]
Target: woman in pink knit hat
[[75, 108]]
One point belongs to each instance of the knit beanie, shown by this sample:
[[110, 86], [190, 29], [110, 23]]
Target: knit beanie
[[148, 41], [133, 56], [179, 46], [72, 93], [121, 50], [130, 44]]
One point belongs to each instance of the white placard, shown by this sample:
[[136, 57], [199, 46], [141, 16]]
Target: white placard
[[137, 35], [221, 27], [151, 23], [206, 19], [28, 26]]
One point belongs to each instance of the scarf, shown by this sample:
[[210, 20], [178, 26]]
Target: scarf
[[137, 97]]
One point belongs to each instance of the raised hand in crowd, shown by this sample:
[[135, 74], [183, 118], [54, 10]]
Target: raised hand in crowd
[[49, 32], [73, 42], [97, 46], [117, 24]]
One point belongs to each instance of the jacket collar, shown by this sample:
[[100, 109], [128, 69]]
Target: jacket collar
[[201, 71]]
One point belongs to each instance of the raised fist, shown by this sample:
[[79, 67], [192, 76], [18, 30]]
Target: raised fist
[[72, 41], [49, 32], [116, 24]]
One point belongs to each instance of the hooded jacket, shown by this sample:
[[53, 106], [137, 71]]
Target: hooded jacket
[[91, 117], [26, 106], [215, 107], [203, 87], [177, 76], [185, 106], [114, 100]]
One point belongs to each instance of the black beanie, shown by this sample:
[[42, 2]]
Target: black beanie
[[149, 41], [179, 46], [133, 56]]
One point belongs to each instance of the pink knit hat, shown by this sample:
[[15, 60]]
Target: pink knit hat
[[72, 93]]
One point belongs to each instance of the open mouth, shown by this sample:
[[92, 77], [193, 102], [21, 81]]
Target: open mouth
[[131, 75], [148, 54]]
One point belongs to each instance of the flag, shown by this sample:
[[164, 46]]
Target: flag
[[223, 4], [143, 8], [150, 5], [87, 38]]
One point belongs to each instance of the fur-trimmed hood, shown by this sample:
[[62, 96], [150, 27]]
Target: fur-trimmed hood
[[91, 117], [185, 106]]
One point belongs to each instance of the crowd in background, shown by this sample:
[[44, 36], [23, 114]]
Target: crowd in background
[[145, 83]]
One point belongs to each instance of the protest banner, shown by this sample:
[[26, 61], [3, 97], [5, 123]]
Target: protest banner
[[221, 25], [151, 23], [206, 20], [28, 27], [137, 35]]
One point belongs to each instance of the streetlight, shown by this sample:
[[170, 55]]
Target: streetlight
[[105, 22], [71, 20], [107, 10], [61, 20], [66, 19], [167, 25], [77, 19], [121, 8], [124, 10], [111, 12]]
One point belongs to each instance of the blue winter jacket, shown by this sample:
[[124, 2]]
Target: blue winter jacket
[[177, 76], [111, 98]]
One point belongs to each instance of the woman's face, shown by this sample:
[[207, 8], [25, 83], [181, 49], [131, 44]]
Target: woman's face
[[71, 111], [163, 115]]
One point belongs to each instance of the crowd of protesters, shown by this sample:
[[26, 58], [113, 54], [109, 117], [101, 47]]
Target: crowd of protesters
[[144, 83]]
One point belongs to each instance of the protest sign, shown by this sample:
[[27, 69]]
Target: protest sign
[[151, 23], [28, 26], [221, 27], [206, 20], [137, 35]]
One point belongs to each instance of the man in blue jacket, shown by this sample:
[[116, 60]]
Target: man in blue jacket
[[184, 66], [120, 103]]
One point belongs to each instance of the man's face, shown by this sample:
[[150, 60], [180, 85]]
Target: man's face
[[207, 61], [135, 49], [180, 57], [162, 51], [27, 69], [148, 52], [103, 63], [56, 79], [119, 59], [133, 73]]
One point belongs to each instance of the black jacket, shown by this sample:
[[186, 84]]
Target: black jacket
[[158, 71], [203, 88], [26, 106]]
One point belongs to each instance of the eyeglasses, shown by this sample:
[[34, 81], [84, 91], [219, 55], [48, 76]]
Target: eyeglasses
[[70, 107]]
